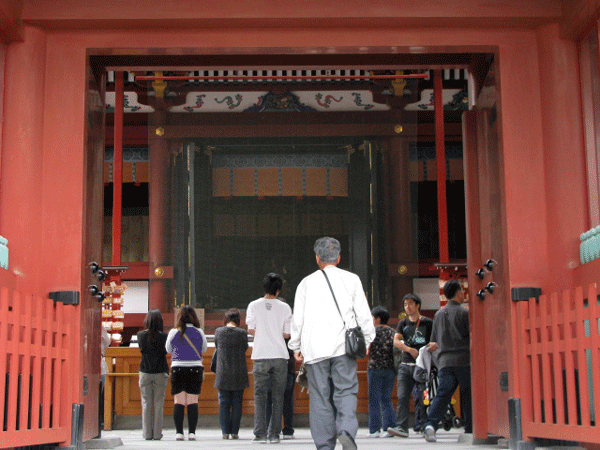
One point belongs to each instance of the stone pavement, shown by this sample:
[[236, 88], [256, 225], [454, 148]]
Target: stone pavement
[[210, 438]]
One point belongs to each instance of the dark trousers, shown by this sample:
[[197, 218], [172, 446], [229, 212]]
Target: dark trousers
[[406, 383], [288, 405], [449, 379]]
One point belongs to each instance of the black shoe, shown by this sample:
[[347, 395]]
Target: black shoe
[[347, 441]]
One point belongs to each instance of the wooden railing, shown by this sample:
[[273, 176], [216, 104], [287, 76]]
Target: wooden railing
[[122, 393], [558, 371], [35, 363]]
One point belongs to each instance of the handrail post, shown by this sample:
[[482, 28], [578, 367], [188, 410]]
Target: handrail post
[[108, 397]]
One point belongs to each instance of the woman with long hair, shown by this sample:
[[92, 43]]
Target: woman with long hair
[[154, 374], [186, 343], [231, 343]]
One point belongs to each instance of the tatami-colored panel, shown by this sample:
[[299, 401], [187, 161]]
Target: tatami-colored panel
[[221, 183], [127, 172], [316, 182], [338, 182], [268, 182], [243, 182], [291, 182], [141, 172]]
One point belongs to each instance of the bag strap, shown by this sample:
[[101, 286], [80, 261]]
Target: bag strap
[[192, 344], [336, 303]]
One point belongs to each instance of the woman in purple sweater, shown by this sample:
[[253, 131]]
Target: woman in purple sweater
[[186, 343]]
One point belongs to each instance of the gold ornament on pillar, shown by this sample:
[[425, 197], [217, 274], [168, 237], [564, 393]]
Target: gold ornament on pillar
[[399, 84], [159, 271], [398, 129], [159, 86], [160, 131], [402, 269]]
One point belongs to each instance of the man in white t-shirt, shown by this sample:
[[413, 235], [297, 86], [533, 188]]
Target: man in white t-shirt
[[269, 321]]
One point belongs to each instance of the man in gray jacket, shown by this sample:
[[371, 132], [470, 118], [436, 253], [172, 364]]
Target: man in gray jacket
[[451, 335]]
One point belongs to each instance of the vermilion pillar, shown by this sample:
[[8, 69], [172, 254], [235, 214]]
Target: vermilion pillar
[[117, 218], [400, 234], [159, 263]]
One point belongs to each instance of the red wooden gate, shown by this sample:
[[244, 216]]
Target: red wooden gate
[[35, 363], [558, 371]]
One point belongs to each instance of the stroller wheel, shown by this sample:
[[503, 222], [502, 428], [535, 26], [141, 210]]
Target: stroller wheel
[[457, 422], [447, 425]]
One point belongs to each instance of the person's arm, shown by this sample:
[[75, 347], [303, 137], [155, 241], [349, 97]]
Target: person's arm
[[400, 345], [297, 321], [287, 324], [432, 346], [170, 336], [204, 341], [105, 342], [251, 320], [245, 336], [466, 325], [141, 342]]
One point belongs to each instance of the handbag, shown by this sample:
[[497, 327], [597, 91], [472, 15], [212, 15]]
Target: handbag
[[356, 347], [302, 378]]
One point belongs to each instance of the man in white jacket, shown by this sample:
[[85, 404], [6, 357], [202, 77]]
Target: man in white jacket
[[318, 338]]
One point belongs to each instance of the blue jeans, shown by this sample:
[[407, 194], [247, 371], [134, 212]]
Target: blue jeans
[[449, 378], [230, 411], [288, 405], [381, 385]]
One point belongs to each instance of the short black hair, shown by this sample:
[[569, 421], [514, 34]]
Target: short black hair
[[272, 283], [382, 313], [233, 315], [451, 288], [414, 297]]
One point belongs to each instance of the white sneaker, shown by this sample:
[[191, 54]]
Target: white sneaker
[[429, 433], [374, 435], [385, 434], [191, 437], [179, 437]]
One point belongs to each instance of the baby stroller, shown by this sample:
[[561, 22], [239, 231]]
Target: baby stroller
[[450, 418]]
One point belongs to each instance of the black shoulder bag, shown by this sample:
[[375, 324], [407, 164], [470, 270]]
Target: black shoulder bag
[[356, 348]]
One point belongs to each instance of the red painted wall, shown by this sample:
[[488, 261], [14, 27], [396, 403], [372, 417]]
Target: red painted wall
[[564, 161], [41, 189]]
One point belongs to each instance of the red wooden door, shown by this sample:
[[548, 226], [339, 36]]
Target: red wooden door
[[486, 237]]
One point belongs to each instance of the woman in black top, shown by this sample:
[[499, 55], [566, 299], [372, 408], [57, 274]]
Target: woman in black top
[[231, 343], [154, 374]]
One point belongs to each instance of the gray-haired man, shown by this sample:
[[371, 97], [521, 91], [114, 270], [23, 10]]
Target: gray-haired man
[[318, 338]]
